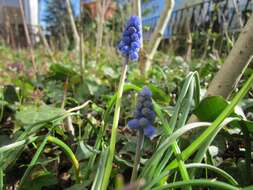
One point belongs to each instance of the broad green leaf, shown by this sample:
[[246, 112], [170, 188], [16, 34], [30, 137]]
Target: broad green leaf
[[82, 92], [4, 140], [248, 124], [109, 71], [10, 94], [41, 181], [210, 108], [61, 72], [29, 115], [85, 151], [158, 94]]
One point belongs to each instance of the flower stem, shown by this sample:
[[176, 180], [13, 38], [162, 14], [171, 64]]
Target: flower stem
[[181, 165], [137, 155], [108, 166]]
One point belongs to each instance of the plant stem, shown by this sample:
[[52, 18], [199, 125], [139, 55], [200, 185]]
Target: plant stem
[[181, 165], [109, 162], [81, 57], [127, 87], [137, 155]]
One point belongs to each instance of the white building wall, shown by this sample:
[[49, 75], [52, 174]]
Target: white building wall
[[31, 11], [31, 8]]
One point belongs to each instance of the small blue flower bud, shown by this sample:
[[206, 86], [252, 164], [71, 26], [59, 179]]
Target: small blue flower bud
[[137, 114], [132, 30], [135, 46], [126, 33], [144, 114], [141, 98], [146, 92], [148, 104], [152, 116], [133, 56], [131, 38], [126, 39], [121, 45], [135, 37], [145, 111], [139, 106], [125, 50], [149, 131], [134, 21], [139, 35], [143, 122], [134, 123]]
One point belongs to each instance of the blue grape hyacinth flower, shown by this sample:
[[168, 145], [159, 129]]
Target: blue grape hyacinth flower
[[144, 115], [130, 43]]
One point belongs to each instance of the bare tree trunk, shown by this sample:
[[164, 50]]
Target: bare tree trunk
[[6, 23], [64, 40], [100, 30], [189, 41], [28, 39], [137, 11], [73, 24], [45, 43], [206, 45], [231, 71], [81, 58], [157, 36], [8, 27], [225, 26], [81, 48], [102, 7]]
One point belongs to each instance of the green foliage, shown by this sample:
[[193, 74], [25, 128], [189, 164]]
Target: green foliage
[[29, 115], [210, 108], [43, 179], [38, 150], [57, 21]]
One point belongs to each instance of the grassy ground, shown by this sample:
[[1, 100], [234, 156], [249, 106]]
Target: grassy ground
[[34, 108]]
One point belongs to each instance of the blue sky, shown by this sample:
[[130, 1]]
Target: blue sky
[[75, 5]]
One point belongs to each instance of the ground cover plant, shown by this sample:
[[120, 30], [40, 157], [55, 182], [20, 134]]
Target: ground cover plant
[[107, 125]]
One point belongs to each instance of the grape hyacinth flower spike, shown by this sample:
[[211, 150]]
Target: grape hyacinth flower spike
[[130, 43], [129, 47], [144, 115]]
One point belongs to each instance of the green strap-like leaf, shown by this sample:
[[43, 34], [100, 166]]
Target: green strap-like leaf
[[198, 183]]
